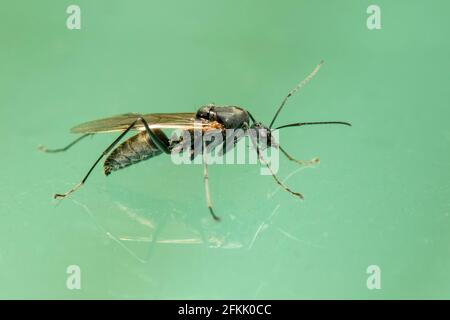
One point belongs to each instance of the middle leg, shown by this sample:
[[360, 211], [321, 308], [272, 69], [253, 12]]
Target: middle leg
[[263, 161], [206, 182]]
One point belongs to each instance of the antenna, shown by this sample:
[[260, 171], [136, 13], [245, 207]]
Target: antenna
[[298, 124], [298, 87]]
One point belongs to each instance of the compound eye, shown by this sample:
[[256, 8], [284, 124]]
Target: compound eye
[[212, 116], [203, 113]]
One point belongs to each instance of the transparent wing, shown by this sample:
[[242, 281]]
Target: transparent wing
[[155, 120]]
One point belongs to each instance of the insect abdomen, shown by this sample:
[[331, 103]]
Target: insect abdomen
[[135, 149]]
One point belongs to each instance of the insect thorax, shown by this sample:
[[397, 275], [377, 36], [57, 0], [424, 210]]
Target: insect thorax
[[231, 117]]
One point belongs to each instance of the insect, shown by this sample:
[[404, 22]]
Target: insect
[[151, 141]]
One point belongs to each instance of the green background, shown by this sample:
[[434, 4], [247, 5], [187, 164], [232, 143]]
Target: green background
[[380, 195]]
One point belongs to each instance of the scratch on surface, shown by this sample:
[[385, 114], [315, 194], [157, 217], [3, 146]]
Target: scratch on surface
[[233, 245], [263, 226], [111, 236], [181, 241], [108, 234], [136, 239], [258, 231], [287, 234], [259, 289], [292, 237], [273, 212], [168, 241], [135, 216]]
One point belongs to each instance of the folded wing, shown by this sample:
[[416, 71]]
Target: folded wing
[[183, 121]]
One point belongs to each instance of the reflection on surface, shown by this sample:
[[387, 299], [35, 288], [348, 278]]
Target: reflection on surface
[[151, 227]]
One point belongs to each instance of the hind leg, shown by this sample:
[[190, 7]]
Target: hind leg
[[158, 142], [44, 149]]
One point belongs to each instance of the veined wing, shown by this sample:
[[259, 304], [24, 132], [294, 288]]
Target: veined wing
[[183, 120]]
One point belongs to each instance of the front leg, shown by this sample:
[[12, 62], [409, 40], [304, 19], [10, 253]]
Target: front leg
[[303, 163]]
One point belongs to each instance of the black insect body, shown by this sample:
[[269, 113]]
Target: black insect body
[[151, 141], [133, 150], [230, 117]]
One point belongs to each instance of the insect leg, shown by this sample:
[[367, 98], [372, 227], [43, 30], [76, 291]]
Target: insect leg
[[104, 153], [162, 145], [263, 161], [305, 163], [44, 149], [206, 181]]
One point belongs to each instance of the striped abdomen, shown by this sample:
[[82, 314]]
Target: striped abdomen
[[135, 149]]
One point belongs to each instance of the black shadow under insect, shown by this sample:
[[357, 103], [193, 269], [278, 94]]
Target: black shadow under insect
[[152, 141]]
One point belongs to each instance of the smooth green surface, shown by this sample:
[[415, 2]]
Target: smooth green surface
[[380, 195]]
